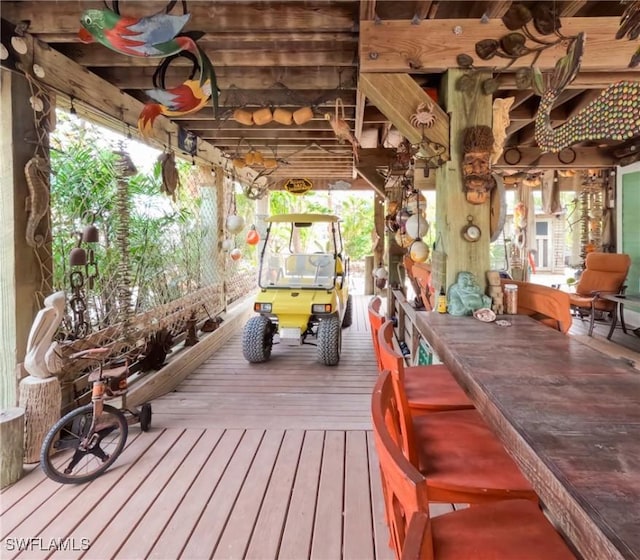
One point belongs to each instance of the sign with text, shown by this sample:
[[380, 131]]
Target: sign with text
[[297, 186]]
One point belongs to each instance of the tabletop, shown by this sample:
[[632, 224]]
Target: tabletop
[[568, 414]]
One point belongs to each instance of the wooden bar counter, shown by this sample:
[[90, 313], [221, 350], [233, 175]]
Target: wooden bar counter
[[569, 415]]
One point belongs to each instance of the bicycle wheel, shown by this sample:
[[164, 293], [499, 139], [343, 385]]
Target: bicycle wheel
[[70, 455]]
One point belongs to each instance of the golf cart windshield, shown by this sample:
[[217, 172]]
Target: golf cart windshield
[[300, 253]]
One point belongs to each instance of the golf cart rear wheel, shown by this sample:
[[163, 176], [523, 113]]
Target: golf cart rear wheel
[[257, 339], [348, 314], [329, 341]]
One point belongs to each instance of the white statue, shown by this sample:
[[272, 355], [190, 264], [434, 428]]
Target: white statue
[[40, 346]]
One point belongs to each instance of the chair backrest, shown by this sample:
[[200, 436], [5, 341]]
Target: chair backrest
[[389, 358], [547, 305], [420, 277], [394, 363], [375, 322], [404, 488], [604, 272]]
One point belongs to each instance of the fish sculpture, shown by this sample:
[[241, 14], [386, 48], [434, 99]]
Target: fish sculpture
[[613, 115], [151, 36], [189, 97]]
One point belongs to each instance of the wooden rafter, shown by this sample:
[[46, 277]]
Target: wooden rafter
[[398, 46]]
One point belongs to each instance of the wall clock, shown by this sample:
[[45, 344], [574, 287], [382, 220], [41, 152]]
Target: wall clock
[[471, 232]]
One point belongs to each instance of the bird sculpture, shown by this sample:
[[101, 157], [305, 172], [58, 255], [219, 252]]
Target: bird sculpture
[[613, 115], [343, 133], [189, 97], [152, 36], [630, 27]]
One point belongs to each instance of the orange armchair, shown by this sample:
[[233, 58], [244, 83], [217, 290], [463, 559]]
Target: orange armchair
[[604, 273]]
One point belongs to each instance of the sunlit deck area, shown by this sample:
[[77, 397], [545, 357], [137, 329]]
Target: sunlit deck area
[[271, 460]]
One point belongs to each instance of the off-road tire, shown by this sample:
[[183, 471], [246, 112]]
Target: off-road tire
[[257, 339], [329, 341], [348, 314]]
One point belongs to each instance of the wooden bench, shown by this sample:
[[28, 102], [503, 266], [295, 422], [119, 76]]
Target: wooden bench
[[545, 304]]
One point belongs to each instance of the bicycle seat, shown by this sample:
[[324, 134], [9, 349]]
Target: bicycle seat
[[107, 373]]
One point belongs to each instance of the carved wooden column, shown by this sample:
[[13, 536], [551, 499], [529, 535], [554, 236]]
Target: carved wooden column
[[468, 108]]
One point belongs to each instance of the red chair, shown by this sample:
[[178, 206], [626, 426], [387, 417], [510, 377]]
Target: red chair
[[456, 451], [375, 322], [502, 530], [428, 388]]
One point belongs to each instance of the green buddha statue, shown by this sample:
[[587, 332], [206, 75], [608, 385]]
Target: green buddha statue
[[465, 296]]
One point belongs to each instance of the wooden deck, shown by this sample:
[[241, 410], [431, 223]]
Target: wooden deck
[[260, 461], [272, 460]]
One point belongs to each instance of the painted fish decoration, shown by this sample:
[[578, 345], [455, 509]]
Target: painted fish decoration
[[613, 115], [152, 36]]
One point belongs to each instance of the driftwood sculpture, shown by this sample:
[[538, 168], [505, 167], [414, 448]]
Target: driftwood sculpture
[[36, 173], [614, 115], [41, 337]]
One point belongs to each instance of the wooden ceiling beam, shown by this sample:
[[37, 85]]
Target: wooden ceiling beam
[[422, 9], [231, 126], [367, 9], [254, 133], [228, 17], [398, 96], [570, 8], [97, 56], [240, 79], [373, 179], [497, 9], [584, 80], [586, 157], [243, 40], [398, 46]]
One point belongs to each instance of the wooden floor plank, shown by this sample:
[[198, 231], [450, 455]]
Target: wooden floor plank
[[380, 530], [357, 501], [327, 532], [296, 539], [140, 501], [59, 516], [267, 533], [244, 461], [206, 534], [178, 531], [111, 503], [235, 539], [148, 530]]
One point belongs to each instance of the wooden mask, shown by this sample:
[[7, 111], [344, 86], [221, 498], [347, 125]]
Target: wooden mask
[[476, 164]]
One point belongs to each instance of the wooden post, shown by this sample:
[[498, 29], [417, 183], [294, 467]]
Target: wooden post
[[468, 108], [20, 272], [11, 445], [368, 275], [41, 400]]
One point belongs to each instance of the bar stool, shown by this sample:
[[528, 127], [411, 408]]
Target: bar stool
[[456, 451], [428, 388], [502, 530]]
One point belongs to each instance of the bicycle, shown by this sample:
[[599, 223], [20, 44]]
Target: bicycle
[[85, 442]]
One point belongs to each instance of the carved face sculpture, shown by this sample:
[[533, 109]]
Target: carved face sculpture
[[476, 163], [476, 171]]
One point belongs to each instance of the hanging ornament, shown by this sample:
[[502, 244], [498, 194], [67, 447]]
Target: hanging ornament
[[227, 244], [381, 273], [419, 251], [235, 254], [253, 237], [235, 224], [417, 226]]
